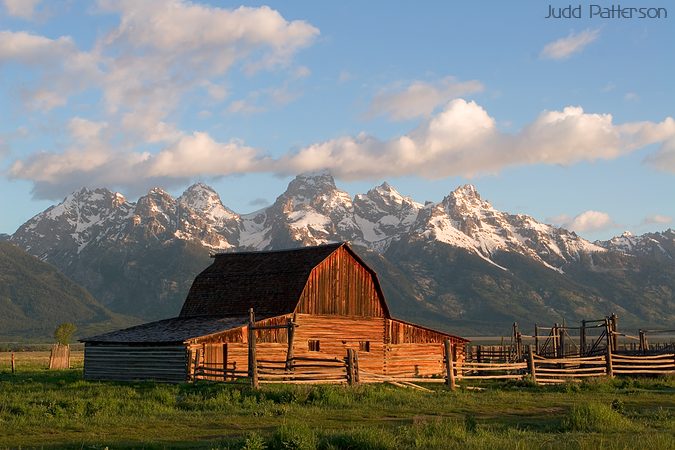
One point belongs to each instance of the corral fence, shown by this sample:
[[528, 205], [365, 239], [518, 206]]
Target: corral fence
[[590, 338], [570, 369], [485, 364]]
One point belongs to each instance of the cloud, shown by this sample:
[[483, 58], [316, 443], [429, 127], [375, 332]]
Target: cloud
[[462, 140], [420, 98], [261, 100], [559, 219], [657, 219], [96, 164], [24, 9], [61, 69], [631, 97], [590, 221], [344, 76], [565, 47], [259, 202], [302, 72], [159, 52]]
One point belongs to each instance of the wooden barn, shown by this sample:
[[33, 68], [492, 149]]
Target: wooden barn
[[310, 302]]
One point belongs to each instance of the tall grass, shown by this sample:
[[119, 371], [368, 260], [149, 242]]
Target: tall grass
[[58, 408]]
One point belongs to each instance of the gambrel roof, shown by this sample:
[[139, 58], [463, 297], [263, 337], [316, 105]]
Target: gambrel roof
[[269, 282], [220, 297]]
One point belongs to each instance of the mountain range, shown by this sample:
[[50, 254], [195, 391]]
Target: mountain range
[[458, 264]]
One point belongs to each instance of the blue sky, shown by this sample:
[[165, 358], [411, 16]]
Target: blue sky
[[568, 120]]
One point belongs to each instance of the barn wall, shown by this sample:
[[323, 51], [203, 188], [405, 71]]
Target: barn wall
[[341, 286], [124, 362], [396, 348], [337, 334]]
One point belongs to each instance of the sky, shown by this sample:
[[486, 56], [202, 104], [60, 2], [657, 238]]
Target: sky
[[569, 120]]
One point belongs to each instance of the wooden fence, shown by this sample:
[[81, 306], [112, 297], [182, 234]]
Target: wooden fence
[[643, 365], [561, 370]]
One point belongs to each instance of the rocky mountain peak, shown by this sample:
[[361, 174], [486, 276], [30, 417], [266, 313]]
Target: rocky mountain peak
[[312, 182], [205, 200], [387, 193]]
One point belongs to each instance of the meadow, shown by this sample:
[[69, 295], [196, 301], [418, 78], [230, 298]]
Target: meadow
[[40, 408]]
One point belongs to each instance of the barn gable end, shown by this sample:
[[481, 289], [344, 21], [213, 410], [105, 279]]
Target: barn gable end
[[342, 285]]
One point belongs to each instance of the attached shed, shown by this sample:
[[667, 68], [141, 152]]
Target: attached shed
[[329, 293]]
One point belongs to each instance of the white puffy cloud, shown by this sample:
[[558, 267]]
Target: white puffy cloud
[[664, 158], [195, 155], [24, 9], [159, 52], [463, 140], [590, 221], [420, 98], [565, 47], [657, 219]]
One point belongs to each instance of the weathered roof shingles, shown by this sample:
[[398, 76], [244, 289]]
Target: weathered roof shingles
[[175, 330], [268, 282]]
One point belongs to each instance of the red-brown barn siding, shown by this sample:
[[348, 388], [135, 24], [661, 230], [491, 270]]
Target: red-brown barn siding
[[395, 348], [341, 286]]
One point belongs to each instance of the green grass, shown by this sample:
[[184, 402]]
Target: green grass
[[59, 409]]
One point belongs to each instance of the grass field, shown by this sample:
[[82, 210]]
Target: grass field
[[59, 409]]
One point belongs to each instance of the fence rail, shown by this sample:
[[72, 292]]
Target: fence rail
[[561, 370]]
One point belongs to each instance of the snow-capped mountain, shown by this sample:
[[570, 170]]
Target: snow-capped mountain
[[311, 211], [649, 244], [441, 259], [464, 220], [82, 218]]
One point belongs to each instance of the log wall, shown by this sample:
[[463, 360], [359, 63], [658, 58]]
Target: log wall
[[341, 286], [385, 346], [126, 363]]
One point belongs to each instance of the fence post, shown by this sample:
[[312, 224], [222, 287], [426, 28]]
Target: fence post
[[252, 360], [608, 355], [614, 319], [449, 365], [357, 375], [561, 333], [13, 366], [225, 361], [608, 362], [582, 339], [608, 333], [479, 353], [350, 366], [536, 338], [289, 351], [196, 364], [530, 363]]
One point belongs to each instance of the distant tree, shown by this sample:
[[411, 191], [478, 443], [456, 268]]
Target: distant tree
[[64, 333]]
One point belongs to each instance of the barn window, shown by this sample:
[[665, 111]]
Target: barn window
[[364, 346], [314, 345]]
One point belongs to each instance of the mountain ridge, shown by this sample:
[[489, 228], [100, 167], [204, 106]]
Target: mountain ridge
[[104, 242]]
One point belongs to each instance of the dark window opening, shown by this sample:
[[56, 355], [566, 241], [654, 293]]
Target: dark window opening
[[314, 345], [364, 346]]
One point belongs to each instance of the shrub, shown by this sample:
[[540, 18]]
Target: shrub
[[254, 441], [595, 417], [64, 333], [294, 437]]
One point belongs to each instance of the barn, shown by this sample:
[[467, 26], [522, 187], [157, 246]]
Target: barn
[[326, 295]]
